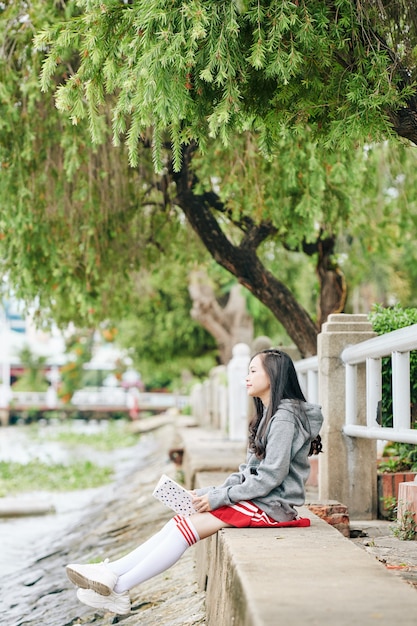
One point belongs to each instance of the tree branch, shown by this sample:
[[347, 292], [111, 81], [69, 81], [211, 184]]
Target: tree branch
[[242, 261]]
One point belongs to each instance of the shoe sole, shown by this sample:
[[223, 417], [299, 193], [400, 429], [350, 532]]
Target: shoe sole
[[85, 583], [103, 605]]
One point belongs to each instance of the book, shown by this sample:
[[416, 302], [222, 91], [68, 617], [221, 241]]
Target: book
[[174, 496]]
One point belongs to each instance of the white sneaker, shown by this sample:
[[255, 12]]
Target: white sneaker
[[95, 576], [116, 602]]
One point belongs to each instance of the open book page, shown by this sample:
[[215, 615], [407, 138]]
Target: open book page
[[174, 496]]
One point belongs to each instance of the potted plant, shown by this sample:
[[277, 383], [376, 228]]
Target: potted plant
[[398, 464]]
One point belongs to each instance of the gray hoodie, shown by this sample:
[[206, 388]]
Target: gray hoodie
[[276, 483]]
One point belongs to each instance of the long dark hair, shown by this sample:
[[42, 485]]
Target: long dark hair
[[284, 385]]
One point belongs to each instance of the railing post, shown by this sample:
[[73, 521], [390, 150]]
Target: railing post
[[237, 370], [373, 390], [400, 396], [347, 469], [218, 382]]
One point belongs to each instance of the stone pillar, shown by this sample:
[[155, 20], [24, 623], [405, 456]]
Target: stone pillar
[[196, 401], [347, 468], [217, 380], [205, 413], [237, 370]]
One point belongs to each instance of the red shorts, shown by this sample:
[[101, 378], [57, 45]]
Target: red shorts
[[246, 514]]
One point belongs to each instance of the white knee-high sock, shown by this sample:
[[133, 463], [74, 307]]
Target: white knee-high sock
[[127, 562], [173, 545]]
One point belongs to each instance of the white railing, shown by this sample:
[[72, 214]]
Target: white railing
[[28, 398], [102, 396], [99, 397], [308, 376], [396, 345]]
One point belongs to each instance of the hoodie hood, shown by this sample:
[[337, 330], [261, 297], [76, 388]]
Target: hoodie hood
[[309, 415], [315, 418]]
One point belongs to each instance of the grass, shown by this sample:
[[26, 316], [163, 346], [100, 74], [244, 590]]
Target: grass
[[116, 435], [82, 474], [36, 475]]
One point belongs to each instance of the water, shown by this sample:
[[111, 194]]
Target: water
[[23, 537]]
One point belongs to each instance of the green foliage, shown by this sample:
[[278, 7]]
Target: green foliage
[[79, 348], [16, 477], [389, 506], [162, 339], [76, 221], [198, 69], [406, 528], [304, 190], [378, 245], [117, 434], [33, 377], [78, 226], [402, 457], [385, 320]]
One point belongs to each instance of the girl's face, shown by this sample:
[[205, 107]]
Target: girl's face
[[257, 381]]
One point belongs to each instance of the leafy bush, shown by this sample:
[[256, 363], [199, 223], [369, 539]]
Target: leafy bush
[[386, 320]]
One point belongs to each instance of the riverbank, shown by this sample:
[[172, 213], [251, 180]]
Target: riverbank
[[124, 514], [118, 518], [26, 518]]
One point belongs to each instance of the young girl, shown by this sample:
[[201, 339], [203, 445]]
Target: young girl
[[263, 493]]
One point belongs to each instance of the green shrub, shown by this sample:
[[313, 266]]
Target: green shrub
[[385, 320]]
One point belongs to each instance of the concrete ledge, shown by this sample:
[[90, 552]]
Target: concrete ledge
[[208, 450], [266, 577], [286, 576]]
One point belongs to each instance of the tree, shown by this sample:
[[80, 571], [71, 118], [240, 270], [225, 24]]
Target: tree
[[230, 324], [377, 252], [80, 223], [199, 69], [33, 377], [158, 333]]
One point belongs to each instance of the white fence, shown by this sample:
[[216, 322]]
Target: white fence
[[100, 397], [308, 376], [396, 345]]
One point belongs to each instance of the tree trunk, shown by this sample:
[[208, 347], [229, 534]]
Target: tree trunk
[[332, 282], [242, 260], [332, 298], [228, 325], [404, 122]]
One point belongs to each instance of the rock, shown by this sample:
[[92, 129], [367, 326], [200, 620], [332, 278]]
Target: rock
[[19, 507]]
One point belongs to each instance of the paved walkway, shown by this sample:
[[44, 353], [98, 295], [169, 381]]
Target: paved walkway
[[398, 556], [377, 538]]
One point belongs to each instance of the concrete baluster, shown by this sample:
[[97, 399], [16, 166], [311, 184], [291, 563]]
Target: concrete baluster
[[196, 401], [217, 378], [237, 370]]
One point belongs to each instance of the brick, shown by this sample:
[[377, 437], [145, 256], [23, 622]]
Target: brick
[[335, 514]]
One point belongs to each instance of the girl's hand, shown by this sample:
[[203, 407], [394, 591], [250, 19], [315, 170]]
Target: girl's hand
[[201, 504]]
